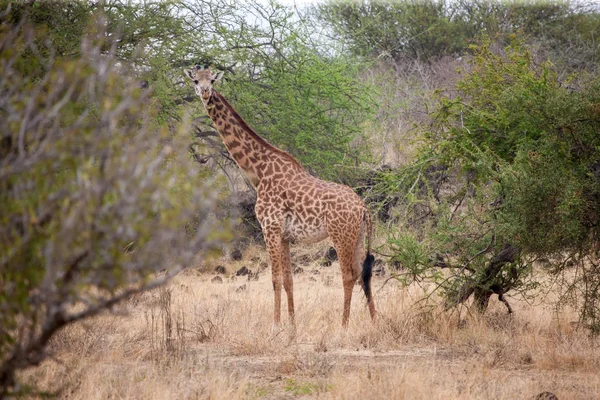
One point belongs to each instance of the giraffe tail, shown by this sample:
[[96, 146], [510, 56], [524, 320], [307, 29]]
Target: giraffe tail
[[367, 273], [367, 269]]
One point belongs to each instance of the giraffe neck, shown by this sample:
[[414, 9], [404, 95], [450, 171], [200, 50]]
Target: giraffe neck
[[254, 155]]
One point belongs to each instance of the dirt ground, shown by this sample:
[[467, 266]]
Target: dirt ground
[[212, 338]]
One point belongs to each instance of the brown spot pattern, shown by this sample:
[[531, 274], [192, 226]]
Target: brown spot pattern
[[292, 206]]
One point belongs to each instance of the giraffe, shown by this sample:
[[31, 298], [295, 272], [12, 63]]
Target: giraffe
[[292, 206]]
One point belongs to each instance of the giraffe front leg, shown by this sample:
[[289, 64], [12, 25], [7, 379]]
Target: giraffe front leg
[[274, 246]]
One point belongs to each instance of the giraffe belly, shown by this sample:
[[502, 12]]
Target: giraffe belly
[[298, 230]]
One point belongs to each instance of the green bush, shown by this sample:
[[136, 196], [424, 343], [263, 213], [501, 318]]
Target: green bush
[[94, 195], [431, 29], [509, 174]]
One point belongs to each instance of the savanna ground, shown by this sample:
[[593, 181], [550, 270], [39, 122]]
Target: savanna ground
[[197, 338]]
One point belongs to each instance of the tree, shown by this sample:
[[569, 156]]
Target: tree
[[411, 29], [291, 86], [95, 197], [508, 176], [563, 31]]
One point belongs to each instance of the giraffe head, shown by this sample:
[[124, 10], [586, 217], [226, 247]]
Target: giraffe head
[[203, 81]]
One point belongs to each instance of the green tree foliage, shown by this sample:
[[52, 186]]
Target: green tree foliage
[[509, 174], [290, 85], [544, 134], [94, 196], [414, 29], [62, 24], [430, 29], [146, 31], [149, 37]]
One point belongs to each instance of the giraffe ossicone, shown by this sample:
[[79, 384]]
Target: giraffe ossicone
[[292, 206]]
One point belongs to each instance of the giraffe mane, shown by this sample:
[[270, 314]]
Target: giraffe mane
[[258, 138]]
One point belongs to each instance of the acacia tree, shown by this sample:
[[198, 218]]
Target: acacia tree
[[94, 195], [564, 31], [296, 90], [508, 176]]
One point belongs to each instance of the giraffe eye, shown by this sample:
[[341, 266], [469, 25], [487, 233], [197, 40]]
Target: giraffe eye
[[195, 81]]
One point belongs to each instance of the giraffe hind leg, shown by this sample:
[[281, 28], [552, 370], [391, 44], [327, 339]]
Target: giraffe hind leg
[[346, 255], [288, 281], [348, 279]]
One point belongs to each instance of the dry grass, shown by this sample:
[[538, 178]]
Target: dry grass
[[198, 339]]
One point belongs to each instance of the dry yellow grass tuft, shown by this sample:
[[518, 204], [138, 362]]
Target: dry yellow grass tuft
[[201, 339]]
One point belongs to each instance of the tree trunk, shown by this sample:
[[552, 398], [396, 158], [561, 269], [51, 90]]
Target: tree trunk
[[489, 283]]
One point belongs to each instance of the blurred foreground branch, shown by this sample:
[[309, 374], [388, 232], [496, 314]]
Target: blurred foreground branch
[[95, 200]]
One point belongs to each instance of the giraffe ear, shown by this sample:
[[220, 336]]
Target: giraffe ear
[[216, 76], [191, 73]]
